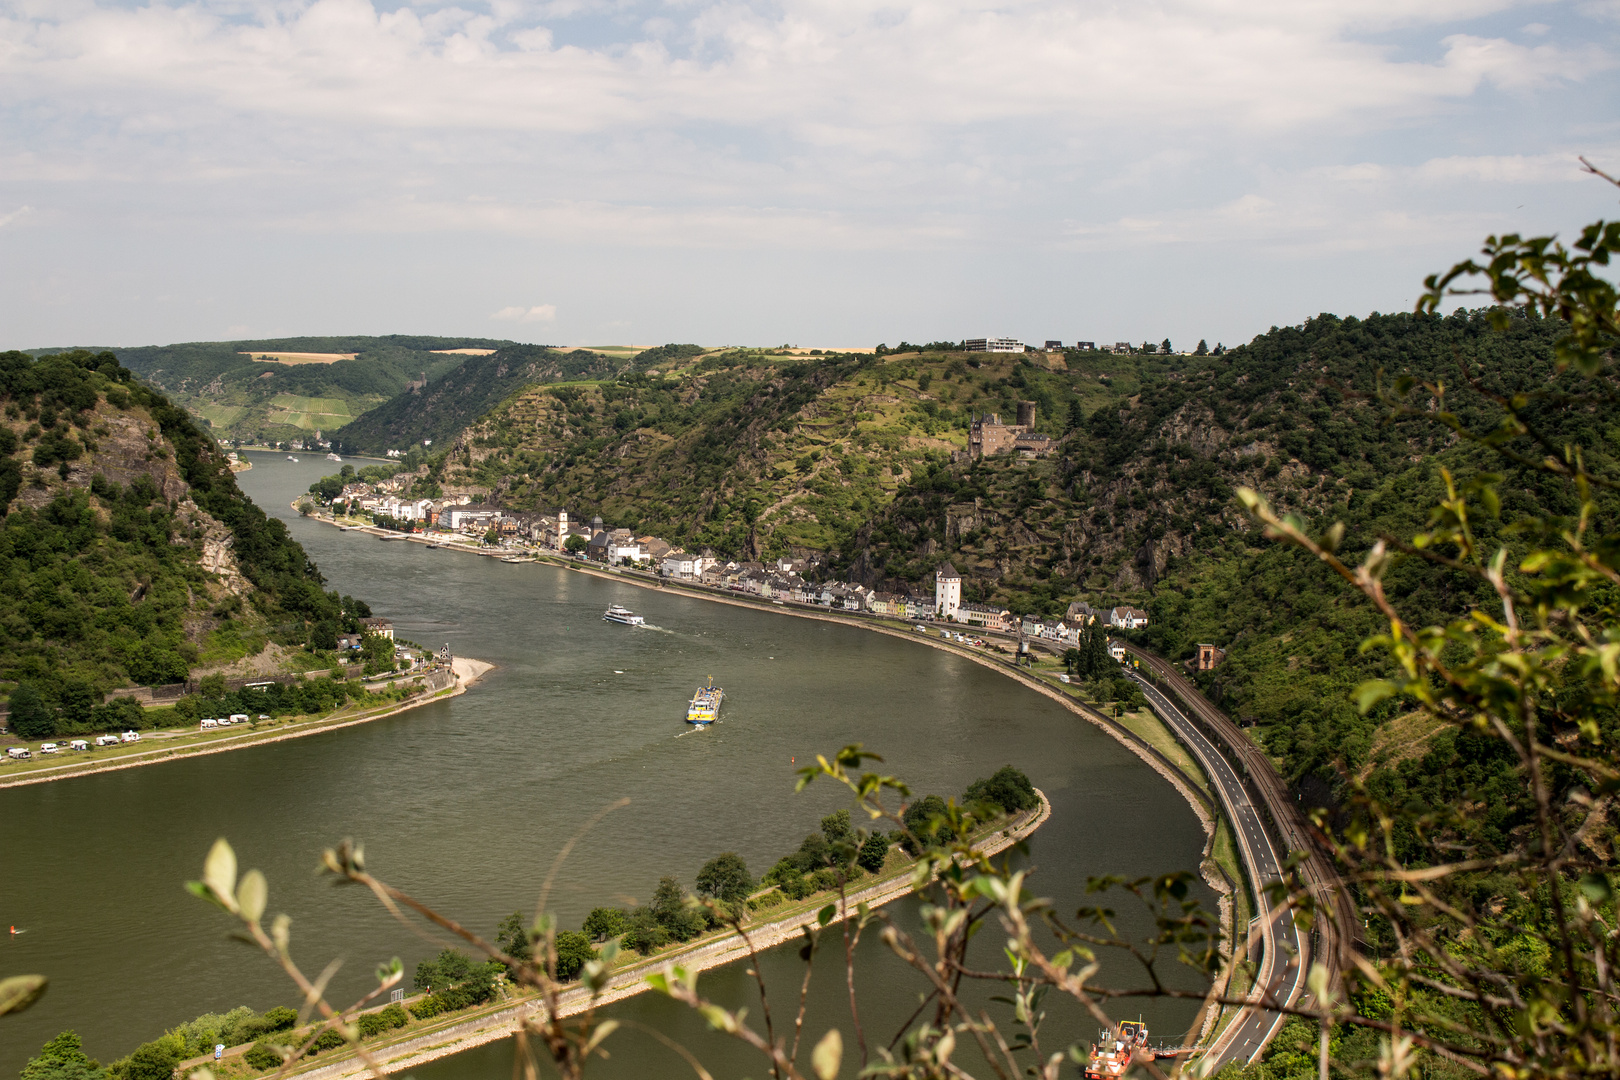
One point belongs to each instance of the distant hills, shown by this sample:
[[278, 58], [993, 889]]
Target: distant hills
[[240, 393]]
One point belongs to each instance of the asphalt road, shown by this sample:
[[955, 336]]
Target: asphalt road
[[1248, 1034]]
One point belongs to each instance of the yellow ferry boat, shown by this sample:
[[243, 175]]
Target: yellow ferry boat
[[705, 706]]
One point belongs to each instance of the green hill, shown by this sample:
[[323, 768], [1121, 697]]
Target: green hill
[[752, 453], [269, 400], [127, 551], [467, 390]]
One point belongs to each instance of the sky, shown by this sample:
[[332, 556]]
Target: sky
[[822, 173]]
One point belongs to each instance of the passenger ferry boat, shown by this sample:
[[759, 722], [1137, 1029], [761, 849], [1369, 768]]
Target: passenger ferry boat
[[618, 614], [1127, 1043], [705, 707]]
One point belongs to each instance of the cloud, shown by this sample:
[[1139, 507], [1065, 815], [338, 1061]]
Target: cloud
[[538, 313], [21, 211]]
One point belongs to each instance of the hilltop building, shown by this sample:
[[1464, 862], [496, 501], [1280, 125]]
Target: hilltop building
[[989, 436], [947, 592], [995, 344]]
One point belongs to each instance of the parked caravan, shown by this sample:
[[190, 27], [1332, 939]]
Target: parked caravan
[[106, 740], [240, 718], [78, 744], [132, 736], [210, 723], [18, 753]]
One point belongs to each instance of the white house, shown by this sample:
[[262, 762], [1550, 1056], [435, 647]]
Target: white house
[[947, 592], [682, 564], [1127, 618]]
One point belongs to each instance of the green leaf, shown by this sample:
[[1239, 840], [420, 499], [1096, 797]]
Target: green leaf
[[1372, 692], [825, 915], [828, 1055], [20, 991], [1597, 888], [219, 872], [252, 894]]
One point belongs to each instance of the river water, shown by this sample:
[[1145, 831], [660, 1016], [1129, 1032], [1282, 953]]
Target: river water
[[466, 803]]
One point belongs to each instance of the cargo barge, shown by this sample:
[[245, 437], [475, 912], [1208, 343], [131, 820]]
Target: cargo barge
[[705, 706]]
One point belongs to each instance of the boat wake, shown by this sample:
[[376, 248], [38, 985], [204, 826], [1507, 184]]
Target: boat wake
[[650, 626]]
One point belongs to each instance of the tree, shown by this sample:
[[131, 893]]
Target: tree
[[1203, 348], [873, 852], [573, 953], [1077, 418], [1165, 348], [63, 1058], [1008, 789], [150, 1061], [513, 937], [606, 922], [31, 718], [836, 828], [725, 877], [575, 544], [926, 819]]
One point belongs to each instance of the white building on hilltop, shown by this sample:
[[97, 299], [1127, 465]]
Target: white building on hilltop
[[947, 592]]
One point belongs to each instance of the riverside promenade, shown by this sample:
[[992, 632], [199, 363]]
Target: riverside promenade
[[433, 1042]]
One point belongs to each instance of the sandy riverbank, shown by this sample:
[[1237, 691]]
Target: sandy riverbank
[[501, 1023], [466, 670]]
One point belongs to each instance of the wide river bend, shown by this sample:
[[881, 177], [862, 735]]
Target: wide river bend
[[467, 802]]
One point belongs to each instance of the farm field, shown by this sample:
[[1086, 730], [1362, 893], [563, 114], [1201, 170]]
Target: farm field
[[303, 357], [310, 413]]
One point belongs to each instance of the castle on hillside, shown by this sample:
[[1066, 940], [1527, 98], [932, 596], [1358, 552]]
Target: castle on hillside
[[989, 435]]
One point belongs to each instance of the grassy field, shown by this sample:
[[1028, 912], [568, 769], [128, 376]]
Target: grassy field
[[302, 357], [220, 416], [309, 413]]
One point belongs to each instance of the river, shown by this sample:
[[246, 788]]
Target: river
[[467, 802]]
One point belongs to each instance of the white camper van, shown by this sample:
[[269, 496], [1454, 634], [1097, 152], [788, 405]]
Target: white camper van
[[132, 736], [48, 748], [209, 724], [106, 740]]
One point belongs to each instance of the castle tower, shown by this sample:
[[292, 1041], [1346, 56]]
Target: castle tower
[[947, 592], [1026, 415]]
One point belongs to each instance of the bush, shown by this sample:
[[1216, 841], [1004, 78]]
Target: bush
[[797, 887], [774, 898], [825, 879], [427, 1008], [394, 1016], [262, 1056], [279, 1018], [328, 1040], [370, 1025]]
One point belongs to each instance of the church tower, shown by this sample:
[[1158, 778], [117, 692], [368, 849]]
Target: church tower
[[947, 592]]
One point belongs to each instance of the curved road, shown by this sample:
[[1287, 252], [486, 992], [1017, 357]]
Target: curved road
[[1280, 971]]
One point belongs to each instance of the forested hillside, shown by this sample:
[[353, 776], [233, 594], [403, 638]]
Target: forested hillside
[[242, 395], [127, 552], [751, 453], [466, 391]]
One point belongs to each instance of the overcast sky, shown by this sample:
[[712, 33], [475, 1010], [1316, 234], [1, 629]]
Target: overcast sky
[[820, 173]]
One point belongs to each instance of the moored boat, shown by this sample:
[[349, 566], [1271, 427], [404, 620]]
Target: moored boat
[[705, 706], [618, 614]]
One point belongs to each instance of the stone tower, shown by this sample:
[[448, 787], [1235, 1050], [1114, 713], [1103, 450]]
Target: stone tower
[[1026, 415], [947, 592]]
